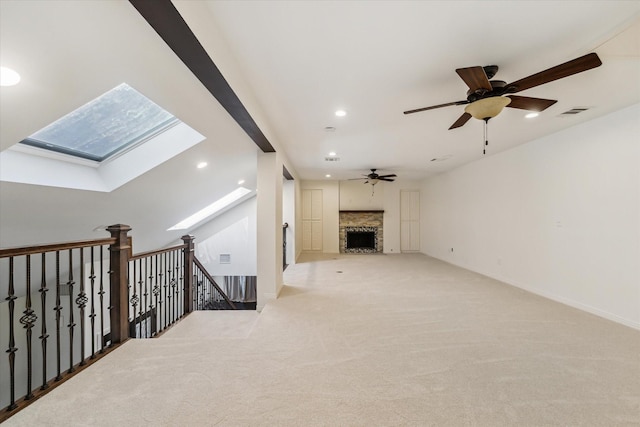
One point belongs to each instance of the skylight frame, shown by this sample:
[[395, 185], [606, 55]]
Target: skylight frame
[[99, 115]]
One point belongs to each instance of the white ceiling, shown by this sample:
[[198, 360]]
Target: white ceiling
[[376, 59], [293, 63]]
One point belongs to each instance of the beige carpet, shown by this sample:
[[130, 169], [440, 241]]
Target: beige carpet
[[367, 340]]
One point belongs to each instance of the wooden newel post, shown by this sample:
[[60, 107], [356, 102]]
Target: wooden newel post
[[119, 260], [189, 253]]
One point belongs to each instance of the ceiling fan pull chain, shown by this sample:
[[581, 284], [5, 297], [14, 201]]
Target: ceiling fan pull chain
[[486, 137]]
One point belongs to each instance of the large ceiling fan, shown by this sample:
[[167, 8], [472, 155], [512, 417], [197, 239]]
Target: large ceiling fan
[[486, 98], [373, 178]]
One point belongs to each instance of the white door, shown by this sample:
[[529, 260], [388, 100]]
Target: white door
[[409, 221], [312, 220]]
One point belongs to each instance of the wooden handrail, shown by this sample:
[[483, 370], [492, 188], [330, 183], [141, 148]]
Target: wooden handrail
[[156, 252], [208, 276], [31, 250]]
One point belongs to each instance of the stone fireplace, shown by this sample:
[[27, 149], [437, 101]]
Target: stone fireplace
[[361, 232]]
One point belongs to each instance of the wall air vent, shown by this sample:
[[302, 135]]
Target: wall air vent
[[225, 258], [332, 159], [574, 111]]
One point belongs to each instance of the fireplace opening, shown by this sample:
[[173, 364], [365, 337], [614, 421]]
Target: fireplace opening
[[361, 240]]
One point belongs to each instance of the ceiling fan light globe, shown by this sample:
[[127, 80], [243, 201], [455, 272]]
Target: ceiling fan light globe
[[487, 108]]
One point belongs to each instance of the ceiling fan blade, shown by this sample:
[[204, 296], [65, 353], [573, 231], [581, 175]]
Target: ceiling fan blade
[[567, 69], [461, 121], [385, 179], [355, 179], [531, 104], [475, 78], [433, 107], [393, 175]]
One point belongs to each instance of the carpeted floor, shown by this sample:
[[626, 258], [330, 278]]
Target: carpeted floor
[[367, 340]]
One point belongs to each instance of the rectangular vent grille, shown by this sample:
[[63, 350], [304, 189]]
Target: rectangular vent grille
[[574, 111], [332, 159], [225, 258]]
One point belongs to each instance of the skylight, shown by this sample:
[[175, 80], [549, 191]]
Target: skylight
[[111, 123], [213, 208]]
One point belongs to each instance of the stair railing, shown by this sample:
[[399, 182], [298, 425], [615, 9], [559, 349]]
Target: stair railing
[[85, 298]]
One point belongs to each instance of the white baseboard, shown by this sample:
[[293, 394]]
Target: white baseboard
[[551, 296]]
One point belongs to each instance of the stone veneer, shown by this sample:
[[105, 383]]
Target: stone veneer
[[361, 219]]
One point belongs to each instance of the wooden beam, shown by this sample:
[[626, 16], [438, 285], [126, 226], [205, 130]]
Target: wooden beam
[[169, 24]]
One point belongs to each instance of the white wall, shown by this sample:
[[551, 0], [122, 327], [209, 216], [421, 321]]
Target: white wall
[[558, 216], [330, 217], [353, 195], [357, 196], [233, 232]]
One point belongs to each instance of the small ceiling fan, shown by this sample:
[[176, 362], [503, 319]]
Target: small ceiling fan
[[373, 178], [486, 98]]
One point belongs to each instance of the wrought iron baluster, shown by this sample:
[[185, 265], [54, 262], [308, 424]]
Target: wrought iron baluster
[[101, 294], [141, 306], [27, 320], [171, 287], [177, 285], [71, 324], [92, 316], [156, 291], [58, 309], [163, 281], [43, 331], [134, 302], [147, 297], [12, 342], [81, 301]]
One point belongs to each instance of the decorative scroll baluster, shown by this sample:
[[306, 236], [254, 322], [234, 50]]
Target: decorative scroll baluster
[[101, 293], [164, 288], [134, 301], [147, 297], [156, 291], [43, 331], [92, 316], [81, 301], [12, 342], [141, 306], [176, 285], [71, 324], [171, 286], [57, 309], [129, 284], [27, 320], [163, 281]]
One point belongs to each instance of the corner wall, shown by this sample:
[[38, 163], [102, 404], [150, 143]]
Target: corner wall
[[559, 216]]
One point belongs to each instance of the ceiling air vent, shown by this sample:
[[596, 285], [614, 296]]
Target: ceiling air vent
[[574, 111], [225, 258], [332, 159]]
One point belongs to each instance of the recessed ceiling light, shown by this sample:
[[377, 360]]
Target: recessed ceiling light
[[329, 129], [202, 165], [341, 113], [241, 182], [332, 153], [8, 77], [532, 115], [327, 176]]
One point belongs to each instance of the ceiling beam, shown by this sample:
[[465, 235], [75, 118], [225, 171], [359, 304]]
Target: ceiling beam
[[169, 24]]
